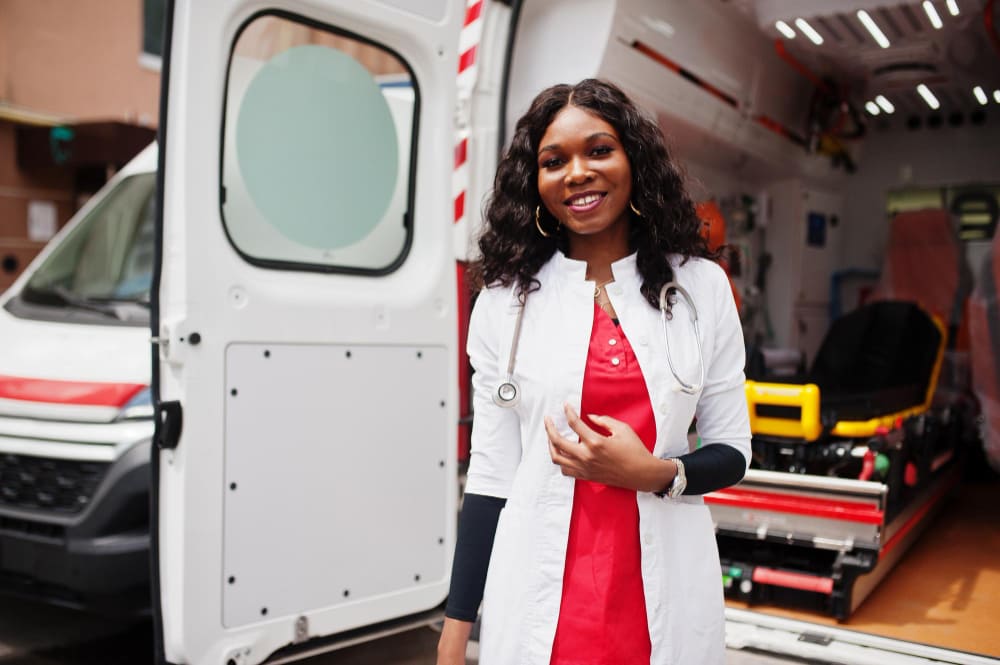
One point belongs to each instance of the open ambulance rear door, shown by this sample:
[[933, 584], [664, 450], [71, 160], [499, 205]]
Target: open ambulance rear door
[[305, 323]]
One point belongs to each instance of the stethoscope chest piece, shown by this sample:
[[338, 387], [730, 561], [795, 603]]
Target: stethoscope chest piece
[[507, 394]]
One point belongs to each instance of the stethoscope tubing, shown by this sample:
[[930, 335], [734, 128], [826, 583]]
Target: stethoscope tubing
[[665, 308], [508, 393]]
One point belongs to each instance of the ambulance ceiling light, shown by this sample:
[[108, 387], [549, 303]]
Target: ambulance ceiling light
[[953, 7], [659, 25], [996, 96], [885, 104], [932, 15], [980, 95], [785, 29], [873, 28], [928, 96], [872, 108], [808, 31]]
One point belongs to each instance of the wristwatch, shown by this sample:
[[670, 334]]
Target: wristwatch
[[678, 484]]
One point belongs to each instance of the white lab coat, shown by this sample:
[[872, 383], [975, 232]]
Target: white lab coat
[[510, 456]]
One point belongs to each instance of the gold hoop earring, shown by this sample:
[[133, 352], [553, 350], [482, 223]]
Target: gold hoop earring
[[538, 222], [634, 209]]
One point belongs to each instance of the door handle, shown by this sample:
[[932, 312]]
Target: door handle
[[169, 422]]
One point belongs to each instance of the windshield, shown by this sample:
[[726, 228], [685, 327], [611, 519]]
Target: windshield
[[108, 259]]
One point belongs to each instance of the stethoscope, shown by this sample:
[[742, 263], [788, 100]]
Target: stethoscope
[[508, 393]]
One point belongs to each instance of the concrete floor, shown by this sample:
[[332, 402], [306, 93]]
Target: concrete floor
[[36, 634]]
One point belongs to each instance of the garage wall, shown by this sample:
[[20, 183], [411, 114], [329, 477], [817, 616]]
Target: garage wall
[[78, 59], [51, 188]]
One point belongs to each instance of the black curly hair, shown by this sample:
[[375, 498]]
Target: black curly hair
[[512, 250]]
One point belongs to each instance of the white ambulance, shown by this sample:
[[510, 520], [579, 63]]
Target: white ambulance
[[289, 307], [76, 408]]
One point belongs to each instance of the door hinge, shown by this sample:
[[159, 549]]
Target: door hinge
[[173, 341], [169, 424]]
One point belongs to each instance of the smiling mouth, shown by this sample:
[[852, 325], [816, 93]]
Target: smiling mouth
[[585, 202]]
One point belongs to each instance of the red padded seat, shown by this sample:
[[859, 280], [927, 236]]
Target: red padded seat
[[984, 340]]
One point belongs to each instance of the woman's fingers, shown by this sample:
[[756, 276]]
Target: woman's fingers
[[611, 460], [613, 425], [568, 466], [563, 451], [577, 424], [558, 442]]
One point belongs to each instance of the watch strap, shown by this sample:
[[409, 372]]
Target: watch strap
[[677, 485]]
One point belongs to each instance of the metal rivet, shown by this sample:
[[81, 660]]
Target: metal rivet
[[441, 464], [347, 354], [232, 580], [440, 541], [416, 578], [442, 403], [347, 592], [267, 354], [232, 486], [263, 611], [420, 354], [194, 339], [233, 392]]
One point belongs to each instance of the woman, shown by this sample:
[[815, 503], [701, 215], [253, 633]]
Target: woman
[[603, 553]]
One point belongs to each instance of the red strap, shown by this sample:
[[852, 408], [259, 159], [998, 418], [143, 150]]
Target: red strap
[[800, 581]]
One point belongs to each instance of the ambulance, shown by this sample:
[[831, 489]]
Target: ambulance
[[257, 328]]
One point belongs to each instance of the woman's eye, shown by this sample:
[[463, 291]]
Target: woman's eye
[[601, 150], [551, 163]]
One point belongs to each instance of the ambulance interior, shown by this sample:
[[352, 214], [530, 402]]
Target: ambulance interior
[[856, 186]]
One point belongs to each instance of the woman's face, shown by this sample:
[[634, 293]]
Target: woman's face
[[584, 176]]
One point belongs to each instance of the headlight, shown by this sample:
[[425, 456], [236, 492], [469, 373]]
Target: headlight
[[139, 407]]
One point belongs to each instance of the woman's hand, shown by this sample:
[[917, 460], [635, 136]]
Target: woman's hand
[[453, 642], [619, 459]]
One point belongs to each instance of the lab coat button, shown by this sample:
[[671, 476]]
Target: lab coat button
[[665, 406], [612, 341], [647, 538], [615, 361]]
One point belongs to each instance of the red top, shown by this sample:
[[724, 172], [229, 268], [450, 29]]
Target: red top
[[602, 618]]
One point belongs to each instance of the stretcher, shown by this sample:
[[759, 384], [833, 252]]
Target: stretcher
[[850, 462]]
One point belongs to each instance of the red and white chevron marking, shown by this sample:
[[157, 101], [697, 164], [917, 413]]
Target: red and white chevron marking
[[468, 46]]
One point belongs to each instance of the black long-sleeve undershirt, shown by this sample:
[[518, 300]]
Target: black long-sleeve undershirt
[[477, 525], [712, 467], [709, 468]]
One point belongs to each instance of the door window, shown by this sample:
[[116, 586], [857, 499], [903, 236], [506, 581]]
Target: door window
[[319, 136]]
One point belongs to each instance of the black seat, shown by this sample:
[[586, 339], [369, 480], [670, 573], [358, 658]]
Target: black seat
[[877, 360]]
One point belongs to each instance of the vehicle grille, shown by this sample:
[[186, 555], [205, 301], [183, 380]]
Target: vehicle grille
[[64, 486]]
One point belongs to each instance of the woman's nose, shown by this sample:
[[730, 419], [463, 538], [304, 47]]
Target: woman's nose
[[578, 171]]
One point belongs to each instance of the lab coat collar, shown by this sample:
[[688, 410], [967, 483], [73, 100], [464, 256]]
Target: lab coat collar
[[574, 270]]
